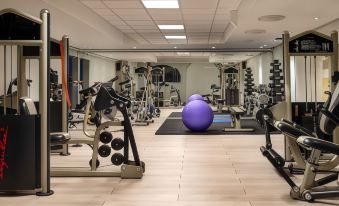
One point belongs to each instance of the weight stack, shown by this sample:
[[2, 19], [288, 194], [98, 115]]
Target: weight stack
[[248, 90], [276, 85]]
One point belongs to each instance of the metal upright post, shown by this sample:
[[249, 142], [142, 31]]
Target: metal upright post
[[22, 86], [334, 68], [44, 103], [334, 57], [65, 43], [287, 81]]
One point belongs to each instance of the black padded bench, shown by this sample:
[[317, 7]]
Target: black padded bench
[[291, 129]]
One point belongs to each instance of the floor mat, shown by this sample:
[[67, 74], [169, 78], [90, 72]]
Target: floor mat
[[173, 126]]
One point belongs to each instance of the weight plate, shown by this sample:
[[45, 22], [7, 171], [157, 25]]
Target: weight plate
[[106, 137], [104, 150], [117, 143]]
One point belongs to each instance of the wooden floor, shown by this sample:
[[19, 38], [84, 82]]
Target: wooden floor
[[180, 170]]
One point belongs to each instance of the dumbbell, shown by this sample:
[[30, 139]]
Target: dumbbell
[[275, 70], [276, 78], [275, 64]]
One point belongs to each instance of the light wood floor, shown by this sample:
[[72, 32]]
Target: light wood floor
[[180, 170]]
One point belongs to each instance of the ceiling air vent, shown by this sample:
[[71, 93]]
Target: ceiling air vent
[[271, 18]]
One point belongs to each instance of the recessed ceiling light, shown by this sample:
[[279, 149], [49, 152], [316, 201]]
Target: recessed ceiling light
[[171, 27], [265, 45], [271, 18], [175, 47], [163, 4], [175, 37], [261, 47], [134, 47], [255, 31], [213, 47], [316, 18]]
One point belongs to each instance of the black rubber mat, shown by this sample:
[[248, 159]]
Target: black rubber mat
[[173, 126]]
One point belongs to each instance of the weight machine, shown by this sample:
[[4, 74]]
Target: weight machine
[[25, 138], [309, 43]]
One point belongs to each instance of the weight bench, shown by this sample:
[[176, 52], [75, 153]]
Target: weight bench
[[236, 113]]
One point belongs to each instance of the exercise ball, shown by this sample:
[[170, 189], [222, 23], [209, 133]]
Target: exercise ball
[[195, 97], [197, 116]]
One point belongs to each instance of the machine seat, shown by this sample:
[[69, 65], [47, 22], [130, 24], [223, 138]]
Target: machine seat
[[291, 129], [59, 138], [315, 143], [237, 111], [220, 101]]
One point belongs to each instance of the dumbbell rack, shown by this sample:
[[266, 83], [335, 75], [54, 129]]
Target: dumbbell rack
[[248, 90], [277, 92]]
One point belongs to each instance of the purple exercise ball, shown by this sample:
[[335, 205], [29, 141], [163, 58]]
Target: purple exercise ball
[[197, 116], [195, 97]]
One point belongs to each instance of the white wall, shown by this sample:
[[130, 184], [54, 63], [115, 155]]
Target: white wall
[[260, 66], [278, 53], [200, 77], [100, 69]]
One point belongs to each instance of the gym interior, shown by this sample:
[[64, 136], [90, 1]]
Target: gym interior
[[169, 102]]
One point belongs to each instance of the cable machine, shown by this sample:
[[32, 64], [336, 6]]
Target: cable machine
[[308, 44]]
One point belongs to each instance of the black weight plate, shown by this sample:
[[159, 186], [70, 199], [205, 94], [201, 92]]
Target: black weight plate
[[117, 159], [117, 143], [104, 150], [97, 163], [106, 137]]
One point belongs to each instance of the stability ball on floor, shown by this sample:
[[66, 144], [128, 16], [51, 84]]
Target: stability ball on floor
[[197, 116], [195, 97]]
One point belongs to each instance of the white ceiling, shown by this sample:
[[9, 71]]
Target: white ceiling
[[205, 21]]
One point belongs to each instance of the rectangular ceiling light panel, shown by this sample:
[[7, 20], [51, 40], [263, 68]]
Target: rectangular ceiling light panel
[[176, 27], [175, 37], [161, 4]]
